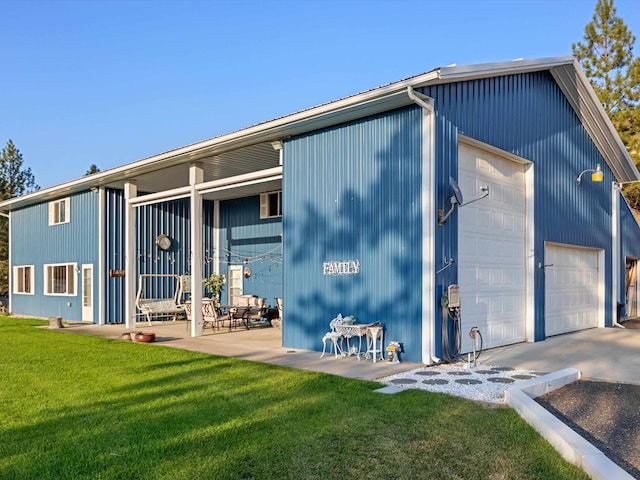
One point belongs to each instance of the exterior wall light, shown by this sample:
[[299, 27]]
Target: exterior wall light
[[597, 175]]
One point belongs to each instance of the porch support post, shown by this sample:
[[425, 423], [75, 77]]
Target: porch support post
[[196, 176], [130, 191]]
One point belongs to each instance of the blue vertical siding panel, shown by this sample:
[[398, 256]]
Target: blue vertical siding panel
[[36, 243], [248, 240], [115, 253], [170, 218], [352, 192], [629, 243], [529, 116]]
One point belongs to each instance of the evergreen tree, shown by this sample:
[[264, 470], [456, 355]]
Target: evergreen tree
[[606, 55], [15, 180], [92, 169]]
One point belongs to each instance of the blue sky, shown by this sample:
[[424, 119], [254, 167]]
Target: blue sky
[[110, 82]]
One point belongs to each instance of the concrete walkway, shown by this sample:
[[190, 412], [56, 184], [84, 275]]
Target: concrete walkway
[[258, 345], [610, 354]]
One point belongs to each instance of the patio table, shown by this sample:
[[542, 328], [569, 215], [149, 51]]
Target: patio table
[[355, 330]]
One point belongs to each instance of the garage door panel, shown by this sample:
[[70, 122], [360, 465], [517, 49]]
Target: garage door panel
[[491, 248], [572, 283]]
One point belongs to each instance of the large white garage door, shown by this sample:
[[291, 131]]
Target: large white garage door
[[572, 284], [491, 246]]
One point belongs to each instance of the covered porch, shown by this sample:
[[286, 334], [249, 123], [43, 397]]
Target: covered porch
[[202, 211]]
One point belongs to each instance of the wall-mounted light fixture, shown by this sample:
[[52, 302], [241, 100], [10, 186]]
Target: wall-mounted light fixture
[[597, 175]]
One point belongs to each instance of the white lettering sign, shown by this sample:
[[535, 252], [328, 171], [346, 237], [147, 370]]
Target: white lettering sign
[[345, 267]]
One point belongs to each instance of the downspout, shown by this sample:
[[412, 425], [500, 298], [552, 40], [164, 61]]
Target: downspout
[[427, 202], [615, 251]]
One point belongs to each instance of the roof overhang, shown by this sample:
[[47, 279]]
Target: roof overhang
[[255, 140]]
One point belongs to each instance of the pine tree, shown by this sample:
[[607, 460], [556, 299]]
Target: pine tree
[[606, 55], [15, 180], [92, 169]]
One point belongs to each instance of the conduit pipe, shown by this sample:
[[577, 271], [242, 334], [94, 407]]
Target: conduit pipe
[[427, 202]]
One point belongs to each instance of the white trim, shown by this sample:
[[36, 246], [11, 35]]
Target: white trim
[[130, 191], [491, 149], [55, 211], [241, 180], [87, 311], [196, 175], [15, 274], [71, 271], [616, 256], [216, 237], [427, 203], [102, 248], [530, 252], [164, 196], [265, 204]]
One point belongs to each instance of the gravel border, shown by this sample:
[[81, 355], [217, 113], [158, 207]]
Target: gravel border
[[606, 414], [483, 383]]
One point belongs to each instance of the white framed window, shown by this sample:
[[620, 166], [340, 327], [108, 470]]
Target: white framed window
[[61, 279], [59, 211], [23, 279], [271, 204]]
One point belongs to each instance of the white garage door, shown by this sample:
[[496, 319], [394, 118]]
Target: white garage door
[[572, 281], [491, 246]]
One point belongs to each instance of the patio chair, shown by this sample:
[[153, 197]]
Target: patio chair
[[255, 310], [209, 315], [333, 336], [277, 322]]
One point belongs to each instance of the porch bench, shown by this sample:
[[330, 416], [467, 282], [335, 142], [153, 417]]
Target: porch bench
[[159, 307]]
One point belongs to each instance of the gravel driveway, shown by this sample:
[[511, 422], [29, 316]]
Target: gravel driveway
[[605, 414]]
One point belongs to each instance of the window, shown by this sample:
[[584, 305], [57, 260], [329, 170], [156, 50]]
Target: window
[[271, 204], [23, 279], [60, 279], [59, 212]]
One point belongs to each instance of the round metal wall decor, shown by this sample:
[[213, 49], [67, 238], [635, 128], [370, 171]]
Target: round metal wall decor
[[163, 242]]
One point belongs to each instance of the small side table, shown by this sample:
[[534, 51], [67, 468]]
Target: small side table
[[374, 348]]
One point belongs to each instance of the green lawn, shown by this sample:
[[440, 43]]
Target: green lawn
[[77, 407]]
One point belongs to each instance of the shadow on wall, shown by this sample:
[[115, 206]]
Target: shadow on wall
[[353, 193]]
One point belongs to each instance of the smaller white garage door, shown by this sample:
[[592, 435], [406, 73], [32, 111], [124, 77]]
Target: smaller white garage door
[[572, 289]]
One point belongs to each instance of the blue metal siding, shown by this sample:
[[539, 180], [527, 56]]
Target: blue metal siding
[[629, 231], [34, 242], [248, 240], [115, 252], [629, 244], [529, 116], [241, 231], [352, 192]]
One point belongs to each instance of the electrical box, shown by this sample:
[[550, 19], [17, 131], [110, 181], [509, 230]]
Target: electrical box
[[453, 292]]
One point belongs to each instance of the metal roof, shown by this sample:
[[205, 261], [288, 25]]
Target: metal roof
[[249, 149]]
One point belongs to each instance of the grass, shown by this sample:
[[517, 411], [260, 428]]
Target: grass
[[80, 407]]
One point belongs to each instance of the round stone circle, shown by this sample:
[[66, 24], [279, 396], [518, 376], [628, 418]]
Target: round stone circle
[[468, 381], [435, 381], [500, 380], [428, 373], [403, 381]]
